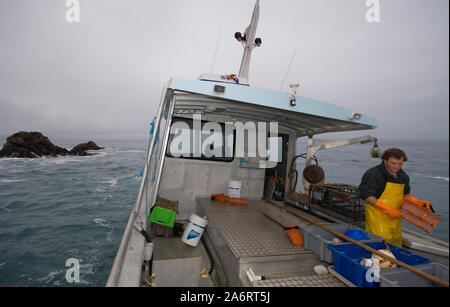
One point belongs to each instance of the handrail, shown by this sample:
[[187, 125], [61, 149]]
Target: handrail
[[163, 149]]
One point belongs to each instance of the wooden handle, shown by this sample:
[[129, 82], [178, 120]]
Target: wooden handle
[[374, 251]]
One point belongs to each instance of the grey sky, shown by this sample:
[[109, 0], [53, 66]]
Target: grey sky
[[105, 74]]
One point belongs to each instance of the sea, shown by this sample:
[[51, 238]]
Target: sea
[[56, 209]]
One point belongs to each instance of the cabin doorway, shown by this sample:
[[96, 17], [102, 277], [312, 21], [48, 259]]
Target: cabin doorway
[[275, 178]]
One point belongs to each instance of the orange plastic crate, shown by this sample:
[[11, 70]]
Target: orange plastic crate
[[419, 213]]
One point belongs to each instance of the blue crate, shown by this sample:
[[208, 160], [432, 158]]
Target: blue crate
[[405, 278], [317, 239], [347, 260]]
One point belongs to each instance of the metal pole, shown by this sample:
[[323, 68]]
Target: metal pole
[[248, 46]]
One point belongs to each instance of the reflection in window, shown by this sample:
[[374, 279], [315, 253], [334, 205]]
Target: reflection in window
[[201, 140]]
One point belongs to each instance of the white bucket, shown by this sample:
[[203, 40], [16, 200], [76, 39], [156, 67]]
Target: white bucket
[[234, 188], [194, 230]]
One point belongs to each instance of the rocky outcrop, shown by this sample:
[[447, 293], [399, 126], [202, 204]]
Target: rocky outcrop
[[30, 145], [34, 145], [80, 149]]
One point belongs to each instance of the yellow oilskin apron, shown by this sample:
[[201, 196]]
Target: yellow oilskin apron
[[380, 223]]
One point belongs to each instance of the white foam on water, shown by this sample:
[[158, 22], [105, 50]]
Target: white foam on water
[[101, 221], [66, 160], [438, 177], [85, 269], [99, 190], [46, 161], [96, 153], [112, 182], [109, 235], [49, 278]]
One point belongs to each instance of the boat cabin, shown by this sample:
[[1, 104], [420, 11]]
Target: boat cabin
[[219, 129]]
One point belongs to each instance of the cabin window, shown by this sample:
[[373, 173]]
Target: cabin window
[[202, 140]]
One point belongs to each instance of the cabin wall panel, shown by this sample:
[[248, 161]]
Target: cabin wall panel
[[185, 180], [173, 177]]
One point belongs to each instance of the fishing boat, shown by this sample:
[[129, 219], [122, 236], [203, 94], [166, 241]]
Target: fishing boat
[[195, 148]]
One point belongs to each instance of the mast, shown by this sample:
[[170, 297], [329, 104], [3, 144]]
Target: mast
[[249, 42]]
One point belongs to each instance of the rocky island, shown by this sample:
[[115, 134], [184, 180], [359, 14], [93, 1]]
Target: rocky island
[[34, 145]]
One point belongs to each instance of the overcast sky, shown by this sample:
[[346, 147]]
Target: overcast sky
[[104, 75]]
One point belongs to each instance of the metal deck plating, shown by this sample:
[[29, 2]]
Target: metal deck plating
[[248, 232], [255, 236], [244, 238], [326, 280]]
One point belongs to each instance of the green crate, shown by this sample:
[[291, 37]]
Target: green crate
[[163, 216]]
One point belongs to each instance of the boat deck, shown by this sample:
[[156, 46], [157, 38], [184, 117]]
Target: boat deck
[[248, 232], [236, 239], [242, 237], [326, 280]]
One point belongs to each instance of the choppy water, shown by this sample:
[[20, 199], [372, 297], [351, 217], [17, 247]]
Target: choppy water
[[54, 209]]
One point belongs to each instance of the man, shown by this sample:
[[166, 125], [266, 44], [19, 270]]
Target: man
[[383, 187]]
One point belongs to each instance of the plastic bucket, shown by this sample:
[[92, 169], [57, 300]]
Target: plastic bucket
[[194, 230], [234, 188]]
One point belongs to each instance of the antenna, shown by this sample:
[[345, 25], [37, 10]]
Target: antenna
[[215, 53], [289, 67]]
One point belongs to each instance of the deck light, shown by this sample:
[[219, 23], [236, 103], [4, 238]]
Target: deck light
[[292, 93]]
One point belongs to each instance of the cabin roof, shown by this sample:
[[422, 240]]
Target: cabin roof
[[307, 117]]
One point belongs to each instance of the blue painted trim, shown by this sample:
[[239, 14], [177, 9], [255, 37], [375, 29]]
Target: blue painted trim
[[268, 98]]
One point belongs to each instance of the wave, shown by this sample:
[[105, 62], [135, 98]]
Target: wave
[[46, 161], [97, 154], [6, 159], [11, 180], [431, 176], [439, 177]]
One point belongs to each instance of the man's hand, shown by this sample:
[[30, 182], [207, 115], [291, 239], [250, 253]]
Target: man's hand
[[392, 213]]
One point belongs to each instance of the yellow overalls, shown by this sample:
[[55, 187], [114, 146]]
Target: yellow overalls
[[380, 223]]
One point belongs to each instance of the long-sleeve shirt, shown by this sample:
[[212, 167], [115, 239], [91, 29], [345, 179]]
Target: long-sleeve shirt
[[374, 181]]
